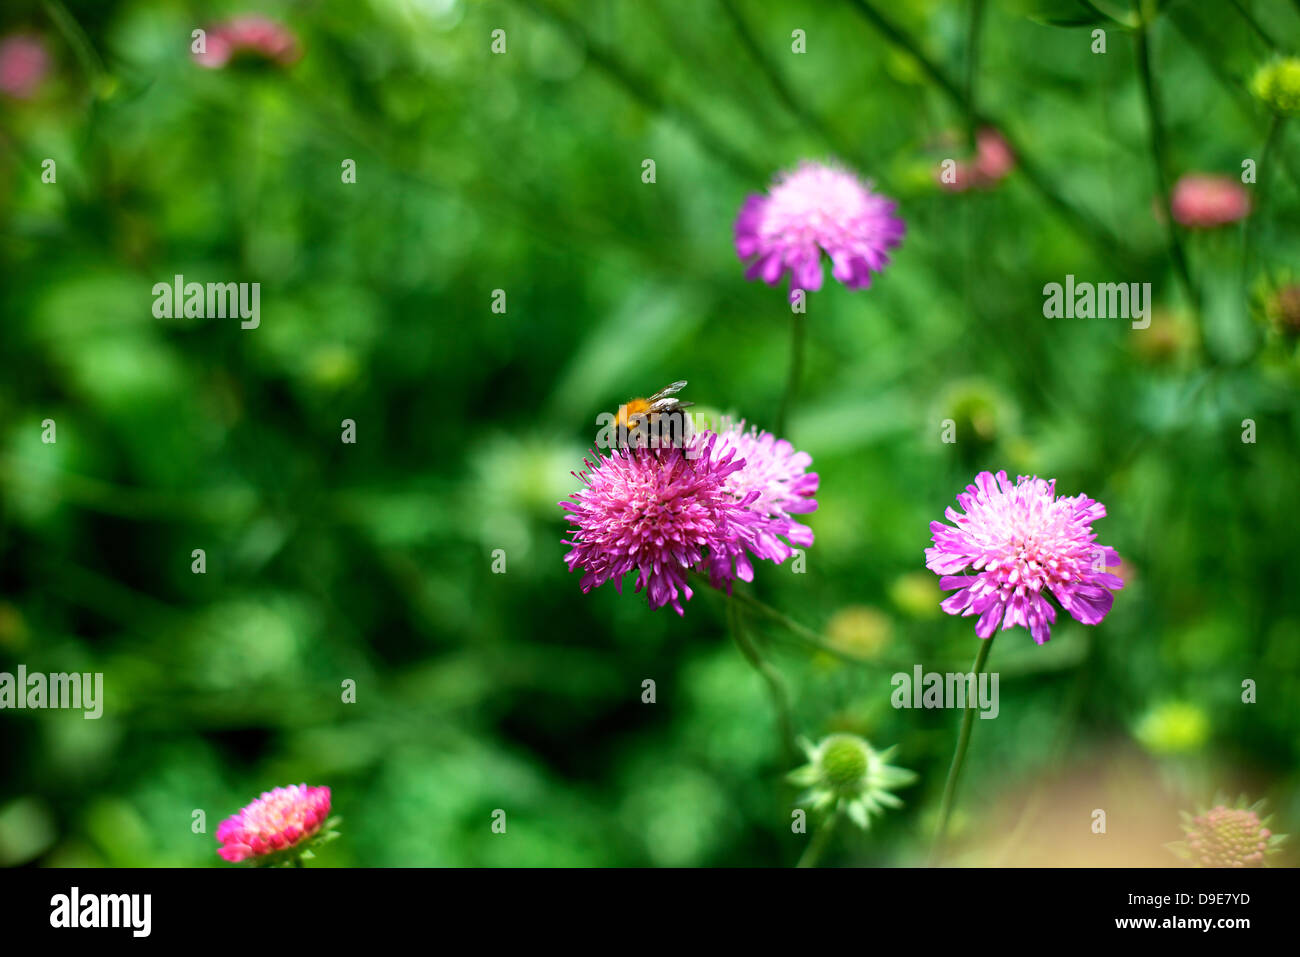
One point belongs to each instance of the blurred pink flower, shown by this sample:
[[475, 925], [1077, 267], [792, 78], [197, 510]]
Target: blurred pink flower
[[994, 160], [276, 821], [817, 207], [24, 64], [1023, 542], [1205, 200], [993, 156], [252, 35]]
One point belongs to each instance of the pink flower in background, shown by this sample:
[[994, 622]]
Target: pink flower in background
[[817, 208], [656, 511], [24, 64], [1023, 543], [276, 821], [252, 35], [994, 161], [1204, 201], [776, 484]]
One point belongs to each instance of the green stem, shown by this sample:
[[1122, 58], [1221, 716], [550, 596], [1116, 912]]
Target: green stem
[[1261, 179], [777, 80], [642, 88], [1155, 120], [775, 684], [972, 124], [973, 29], [1255, 25], [958, 758], [793, 375], [813, 852], [82, 48], [803, 633]]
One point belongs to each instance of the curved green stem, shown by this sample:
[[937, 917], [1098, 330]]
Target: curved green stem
[[813, 852], [803, 635], [958, 758], [775, 683], [802, 632], [82, 48], [640, 85], [1155, 121], [974, 26], [1255, 25], [1261, 180], [776, 80], [1109, 246]]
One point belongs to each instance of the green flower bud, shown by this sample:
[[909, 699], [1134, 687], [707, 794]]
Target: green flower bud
[[1278, 85], [844, 763], [1227, 837], [845, 774]]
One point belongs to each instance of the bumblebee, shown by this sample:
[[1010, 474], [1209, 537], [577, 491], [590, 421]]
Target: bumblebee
[[657, 420]]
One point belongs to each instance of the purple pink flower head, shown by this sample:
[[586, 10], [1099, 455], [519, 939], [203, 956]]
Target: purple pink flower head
[[1023, 543], [817, 208], [775, 484], [276, 821], [24, 64], [1205, 201], [254, 36], [666, 511]]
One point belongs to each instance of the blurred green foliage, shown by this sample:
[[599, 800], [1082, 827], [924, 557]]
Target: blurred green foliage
[[522, 172]]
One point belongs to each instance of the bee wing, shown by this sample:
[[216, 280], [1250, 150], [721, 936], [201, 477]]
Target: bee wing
[[667, 391], [669, 405]]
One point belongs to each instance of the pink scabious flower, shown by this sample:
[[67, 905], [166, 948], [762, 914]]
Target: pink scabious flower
[[1205, 201], [656, 510], [814, 208], [776, 484], [994, 161], [24, 64], [1023, 542], [276, 821], [252, 35], [994, 158]]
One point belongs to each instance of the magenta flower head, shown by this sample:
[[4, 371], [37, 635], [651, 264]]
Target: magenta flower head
[[1022, 542], [816, 208], [256, 37], [1205, 201], [24, 64], [656, 510], [280, 820], [776, 484]]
